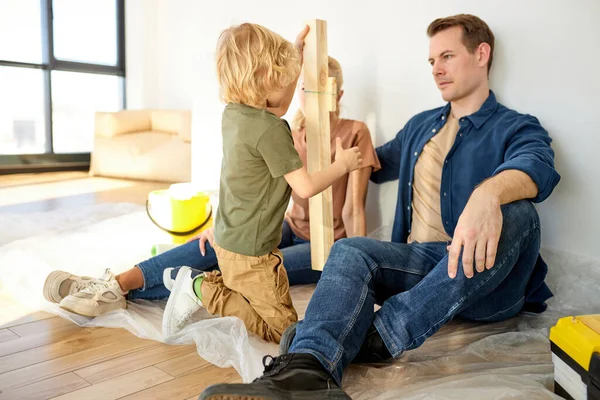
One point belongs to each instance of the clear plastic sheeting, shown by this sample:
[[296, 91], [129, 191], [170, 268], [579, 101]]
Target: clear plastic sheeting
[[464, 360]]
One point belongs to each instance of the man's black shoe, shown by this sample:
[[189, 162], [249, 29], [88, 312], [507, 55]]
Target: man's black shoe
[[373, 350], [287, 377]]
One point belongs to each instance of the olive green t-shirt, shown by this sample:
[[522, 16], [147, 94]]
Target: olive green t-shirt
[[258, 150]]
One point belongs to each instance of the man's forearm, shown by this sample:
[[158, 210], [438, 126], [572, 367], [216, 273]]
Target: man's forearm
[[508, 186]]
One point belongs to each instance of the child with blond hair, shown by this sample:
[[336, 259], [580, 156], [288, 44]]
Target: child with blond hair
[[257, 71]]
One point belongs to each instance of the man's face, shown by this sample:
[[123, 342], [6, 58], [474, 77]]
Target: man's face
[[457, 72]]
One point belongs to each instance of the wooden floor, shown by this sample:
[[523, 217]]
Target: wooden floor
[[47, 357]]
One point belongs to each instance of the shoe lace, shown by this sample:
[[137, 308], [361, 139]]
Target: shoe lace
[[80, 285], [268, 366], [269, 363], [96, 285]]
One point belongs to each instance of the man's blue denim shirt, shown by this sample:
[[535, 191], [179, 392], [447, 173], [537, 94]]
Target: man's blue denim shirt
[[488, 142]]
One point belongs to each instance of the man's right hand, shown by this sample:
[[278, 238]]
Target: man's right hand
[[351, 158], [208, 234]]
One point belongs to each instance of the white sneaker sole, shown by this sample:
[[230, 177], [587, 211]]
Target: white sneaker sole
[[166, 326], [90, 311], [52, 285]]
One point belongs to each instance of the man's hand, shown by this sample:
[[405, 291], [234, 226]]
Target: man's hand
[[478, 232], [208, 234]]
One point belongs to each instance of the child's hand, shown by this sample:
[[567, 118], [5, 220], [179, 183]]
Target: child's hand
[[350, 158], [203, 237], [300, 40]]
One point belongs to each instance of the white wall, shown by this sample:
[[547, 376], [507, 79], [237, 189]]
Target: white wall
[[141, 55], [544, 50]]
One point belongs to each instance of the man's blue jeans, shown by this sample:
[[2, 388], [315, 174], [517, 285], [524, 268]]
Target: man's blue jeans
[[296, 259], [411, 283]]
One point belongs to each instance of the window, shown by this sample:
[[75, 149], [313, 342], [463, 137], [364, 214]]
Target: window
[[60, 62]]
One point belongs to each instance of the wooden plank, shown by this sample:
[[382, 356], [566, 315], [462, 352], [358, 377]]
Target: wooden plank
[[187, 385], [72, 362], [29, 179], [183, 365], [318, 142], [331, 94], [72, 345], [44, 325], [14, 315], [115, 367], [46, 389], [42, 339], [122, 386], [6, 334]]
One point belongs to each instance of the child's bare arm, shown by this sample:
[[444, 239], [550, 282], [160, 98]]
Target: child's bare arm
[[307, 185], [282, 108]]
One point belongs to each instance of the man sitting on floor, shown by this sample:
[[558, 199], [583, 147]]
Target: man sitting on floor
[[465, 241]]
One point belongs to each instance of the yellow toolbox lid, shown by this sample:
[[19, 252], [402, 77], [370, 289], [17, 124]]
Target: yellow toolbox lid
[[578, 337]]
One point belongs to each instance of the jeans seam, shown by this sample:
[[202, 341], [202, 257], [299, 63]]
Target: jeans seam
[[462, 300], [355, 314], [502, 311], [385, 335], [402, 270]]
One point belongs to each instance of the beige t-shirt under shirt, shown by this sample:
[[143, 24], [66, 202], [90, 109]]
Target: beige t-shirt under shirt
[[427, 223]]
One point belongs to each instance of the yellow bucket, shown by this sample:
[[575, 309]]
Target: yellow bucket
[[180, 212]]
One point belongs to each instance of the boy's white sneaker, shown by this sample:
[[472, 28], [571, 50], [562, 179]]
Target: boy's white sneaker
[[167, 280], [182, 303]]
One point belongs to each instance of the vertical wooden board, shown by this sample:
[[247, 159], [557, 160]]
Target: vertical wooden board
[[316, 109]]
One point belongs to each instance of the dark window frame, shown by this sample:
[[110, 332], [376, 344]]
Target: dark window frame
[[50, 161]]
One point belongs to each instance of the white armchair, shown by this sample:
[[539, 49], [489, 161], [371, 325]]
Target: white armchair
[[152, 145]]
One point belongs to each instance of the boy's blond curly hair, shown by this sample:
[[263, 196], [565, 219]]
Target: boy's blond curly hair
[[253, 62]]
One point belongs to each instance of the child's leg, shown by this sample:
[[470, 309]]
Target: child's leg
[[152, 269], [254, 289]]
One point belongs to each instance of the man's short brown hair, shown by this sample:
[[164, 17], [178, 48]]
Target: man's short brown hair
[[475, 31]]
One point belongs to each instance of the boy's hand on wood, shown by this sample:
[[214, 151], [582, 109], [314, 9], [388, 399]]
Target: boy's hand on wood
[[351, 158]]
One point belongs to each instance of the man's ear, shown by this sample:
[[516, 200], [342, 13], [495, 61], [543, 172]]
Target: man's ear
[[483, 54]]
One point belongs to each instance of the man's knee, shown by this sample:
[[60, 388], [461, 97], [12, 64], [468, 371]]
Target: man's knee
[[357, 243], [349, 254], [519, 216]]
